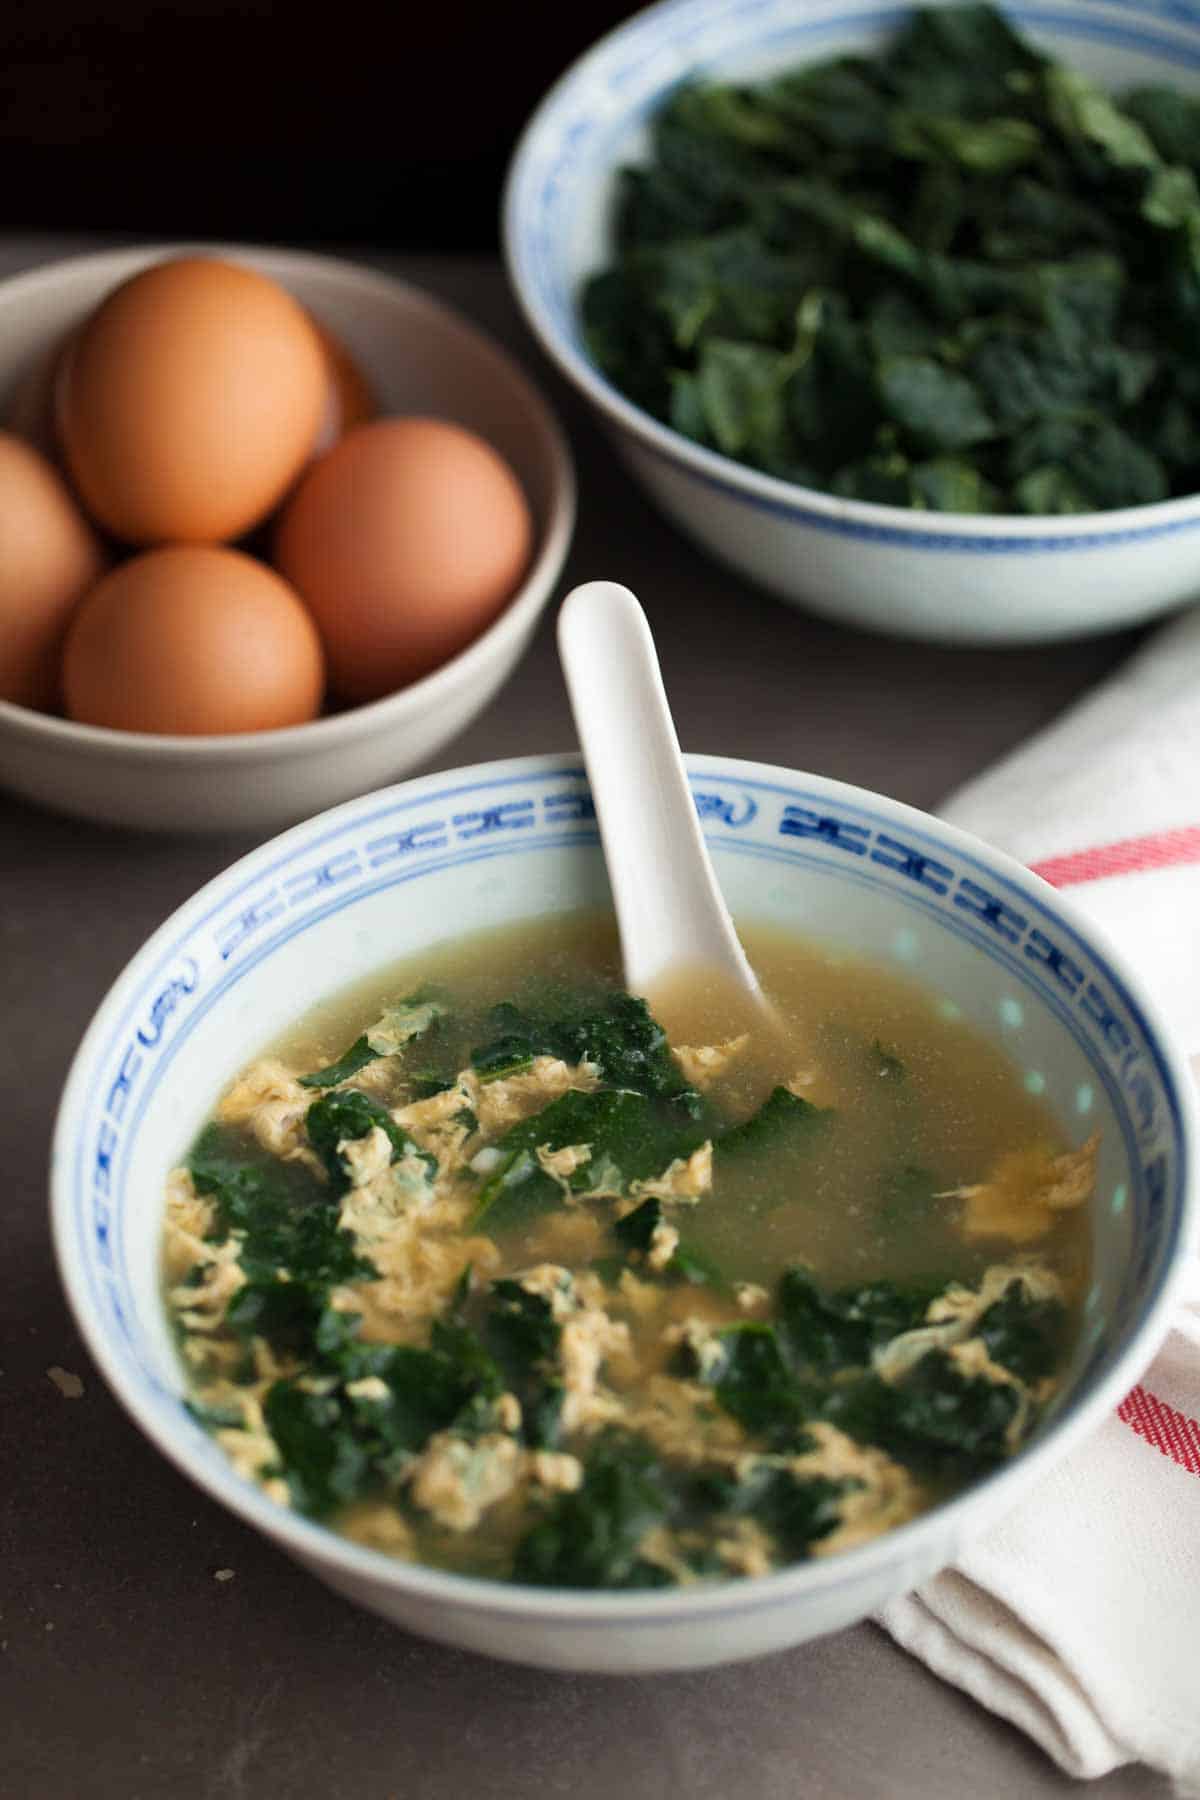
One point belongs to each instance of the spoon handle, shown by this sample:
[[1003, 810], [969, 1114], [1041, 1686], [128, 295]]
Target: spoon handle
[[670, 912]]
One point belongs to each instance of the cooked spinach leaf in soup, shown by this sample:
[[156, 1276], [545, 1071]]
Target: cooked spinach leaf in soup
[[955, 275], [505, 1282]]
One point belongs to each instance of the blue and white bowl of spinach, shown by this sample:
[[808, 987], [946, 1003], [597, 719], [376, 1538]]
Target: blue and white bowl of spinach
[[894, 313], [393, 877]]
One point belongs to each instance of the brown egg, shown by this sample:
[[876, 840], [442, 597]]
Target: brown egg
[[190, 402], [405, 540], [349, 400], [49, 558], [192, 639]]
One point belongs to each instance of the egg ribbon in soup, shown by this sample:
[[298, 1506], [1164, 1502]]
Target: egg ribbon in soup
[[492, 1277]]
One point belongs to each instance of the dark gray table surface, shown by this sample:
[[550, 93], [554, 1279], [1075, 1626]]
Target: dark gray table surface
[[127, 1669]]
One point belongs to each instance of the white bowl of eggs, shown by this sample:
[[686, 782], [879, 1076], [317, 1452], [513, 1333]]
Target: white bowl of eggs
[[276, 528]]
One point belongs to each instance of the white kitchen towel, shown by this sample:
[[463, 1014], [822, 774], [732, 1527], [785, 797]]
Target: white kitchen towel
[[1079, 1617]]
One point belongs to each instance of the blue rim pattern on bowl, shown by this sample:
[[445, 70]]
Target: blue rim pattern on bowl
[[748, 809], [573, 127]]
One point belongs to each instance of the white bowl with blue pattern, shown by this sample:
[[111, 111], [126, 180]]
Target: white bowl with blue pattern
[[385, 876], [950, 578]]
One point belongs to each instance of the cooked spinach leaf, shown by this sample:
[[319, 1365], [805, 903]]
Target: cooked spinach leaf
[[753, 1379], [1171, 120], [692, 1264], [826, 1331], [347, 1115], [615, 1031], [335, 1445], [1025, 1335], [796, 1510], [814, 1363], [773, 1376], [783, 1119], [631, 1137], [522, 1335], [410, 1019], [423, 1084], [287, 1219], [936, 1420], [322, 1457], [636, 1230], [349, 1063], [592, 1537], [687, 1263], [284, 1312], [351, 1417], [953, 1417], [337, 1442], [427, 1390]]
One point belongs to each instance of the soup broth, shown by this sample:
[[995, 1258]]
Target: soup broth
[[477, 1267]]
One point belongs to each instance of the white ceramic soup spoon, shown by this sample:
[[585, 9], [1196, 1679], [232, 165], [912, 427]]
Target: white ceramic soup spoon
[[672, 919]]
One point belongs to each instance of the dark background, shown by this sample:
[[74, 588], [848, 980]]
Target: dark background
[[361, 122]]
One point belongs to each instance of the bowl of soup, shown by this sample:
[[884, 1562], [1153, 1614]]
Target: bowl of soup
[[410, 1235]]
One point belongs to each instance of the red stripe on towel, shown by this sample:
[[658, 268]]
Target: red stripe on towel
[[1170, 1431], [1159, 850]]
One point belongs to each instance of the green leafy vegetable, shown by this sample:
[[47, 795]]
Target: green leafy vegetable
[[1025, 1335], [325, 1463], [614, 1030], [335, 1446], [286, 1313], [687, 1263], [937, 1420], [1171, 120], [349, 1063], [796, 1510], [347, 1115], [592, 1537], [631, 1137], [754, 1380], [814, 1362], [940, 1412], [874, 276], [824, 1332], [937, 408], [292, 1248], [695, 1266], [338, 1441], [636, 1230], [783, 1119], [410, 1019], [350, 1418], [423, 1084], [521, 1333]]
